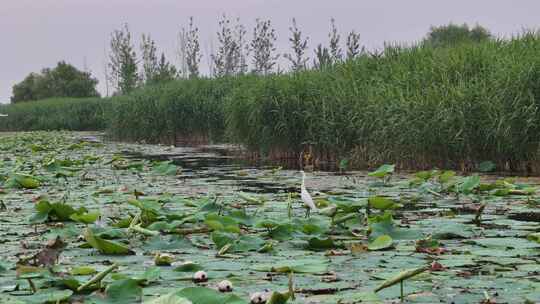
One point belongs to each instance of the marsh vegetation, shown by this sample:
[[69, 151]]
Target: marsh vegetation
[[105, 222]]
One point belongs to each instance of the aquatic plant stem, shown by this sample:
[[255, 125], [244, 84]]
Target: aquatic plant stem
[[98, 277]]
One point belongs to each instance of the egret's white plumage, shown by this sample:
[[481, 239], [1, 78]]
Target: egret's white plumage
[[101, 222], [3, 115], [306, 197]]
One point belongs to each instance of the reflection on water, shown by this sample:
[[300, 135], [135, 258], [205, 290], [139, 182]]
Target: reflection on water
[[219, 164]]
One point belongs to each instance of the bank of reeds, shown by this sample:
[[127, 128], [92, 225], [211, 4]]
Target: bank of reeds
[[190, 110], [83, 114], [416, 106]]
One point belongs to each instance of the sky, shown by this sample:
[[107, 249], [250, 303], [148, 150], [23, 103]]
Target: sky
[[35, 34]]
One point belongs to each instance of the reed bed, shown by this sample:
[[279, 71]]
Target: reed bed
[[416, 106], [85, 114], [162, 113]]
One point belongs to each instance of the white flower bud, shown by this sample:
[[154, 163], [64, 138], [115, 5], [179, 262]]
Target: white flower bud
[[259, 297], [225, 286], [200, 276]]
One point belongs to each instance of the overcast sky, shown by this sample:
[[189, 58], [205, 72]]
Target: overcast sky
[[38, 33]]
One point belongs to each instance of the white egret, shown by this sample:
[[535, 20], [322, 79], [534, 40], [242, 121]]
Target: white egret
[[101, 222], [3, 115], [306, 197]]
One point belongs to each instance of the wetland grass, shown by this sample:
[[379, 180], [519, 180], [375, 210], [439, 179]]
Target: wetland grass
[[83, 223], [415, 106]]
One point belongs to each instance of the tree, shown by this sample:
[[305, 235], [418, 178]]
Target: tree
[[149, 60], [165, 71], [63, 81], [323, 59], [123, 62], [230, 58], [451, 34], [154, 70], [299, 46], [327, 56], [27, 89], [336, 54], [181, 53], [192, 49], [353, 45], [243, 48], [263, 47]]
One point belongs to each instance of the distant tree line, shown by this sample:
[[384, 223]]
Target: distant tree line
[[62, 81], [236, 52], [452, 34]]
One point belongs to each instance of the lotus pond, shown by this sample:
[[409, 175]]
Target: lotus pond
[[85, 221]]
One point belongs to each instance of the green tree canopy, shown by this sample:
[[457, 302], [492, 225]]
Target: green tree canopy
[[453, 34], [63, 81]]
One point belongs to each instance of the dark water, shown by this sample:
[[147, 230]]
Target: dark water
[[220, 164]]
